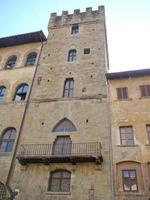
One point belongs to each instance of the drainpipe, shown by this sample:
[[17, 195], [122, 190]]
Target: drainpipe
[[12, 194], [110, 143]]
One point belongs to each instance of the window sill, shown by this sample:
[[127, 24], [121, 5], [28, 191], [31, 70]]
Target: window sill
[[129, 99], [133, 145], [17, 67], [5, 154], [147, 145], [58, 193], [147, 97]]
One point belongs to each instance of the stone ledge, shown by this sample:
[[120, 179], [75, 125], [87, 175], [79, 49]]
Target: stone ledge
[[58, 193]]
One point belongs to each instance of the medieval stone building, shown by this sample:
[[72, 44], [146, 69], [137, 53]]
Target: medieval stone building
[[64, 148]]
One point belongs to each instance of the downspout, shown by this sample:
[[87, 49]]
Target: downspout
[[21, 127], [109, 114], [110, 144]]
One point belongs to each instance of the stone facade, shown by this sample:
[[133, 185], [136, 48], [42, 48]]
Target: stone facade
[[131, 111], [12, 111], [86, 109]]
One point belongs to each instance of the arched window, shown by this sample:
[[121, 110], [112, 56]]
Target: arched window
[[68, 87], [62, 146], [21, 92], [2, 191], [2, 92], [11, 62], [59, 181], [64, 125], [72, 55], [7, 140], [31, 58]]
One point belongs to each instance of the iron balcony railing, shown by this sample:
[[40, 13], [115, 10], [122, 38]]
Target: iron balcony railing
[[69, 152]]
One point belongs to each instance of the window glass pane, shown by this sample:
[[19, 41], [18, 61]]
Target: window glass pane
[[66, 174], [3, 146], [20, 90], [17, 98], [7, 134], [8, 140], [65, 126], [56, 175], [129, 136], [132, 174], [65, 186], [134, 187], [67, 83], [2, 90], [31, 59], [126, 186], [75, 29], [129, 129], [122, 130], [11, 62], [55, 185], [13, 134], [70, 93], [21, 93], [125, 173], [2, 191], [148, 128], [9, 146]]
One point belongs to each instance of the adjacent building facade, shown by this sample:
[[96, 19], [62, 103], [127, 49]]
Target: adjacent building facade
[[130, 129], [18, 58]]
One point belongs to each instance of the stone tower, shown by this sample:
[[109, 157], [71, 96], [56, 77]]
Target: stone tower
[[65, 141]]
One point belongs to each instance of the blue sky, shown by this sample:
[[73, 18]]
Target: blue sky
[[128, 25]]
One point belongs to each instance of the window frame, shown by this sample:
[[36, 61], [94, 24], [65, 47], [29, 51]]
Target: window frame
[[12, 59], [87, 51], [125, 135], [30, 60], [67, 125], [69, 89], [7, 141], [21, 94], [3, 191], [122, 93], [129, 181], [74, 29], [62, 145], [60, 180], [145, 90], [2, 93], [148, 132], [72, 55]]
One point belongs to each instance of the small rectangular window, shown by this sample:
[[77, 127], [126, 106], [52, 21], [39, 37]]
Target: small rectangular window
[[87, 51], [145, 90], [122, 93], [129, 180], [74, 29], [126, 135], [148, 132]]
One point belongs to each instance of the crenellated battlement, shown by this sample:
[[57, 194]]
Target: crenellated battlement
[[76, 17]]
